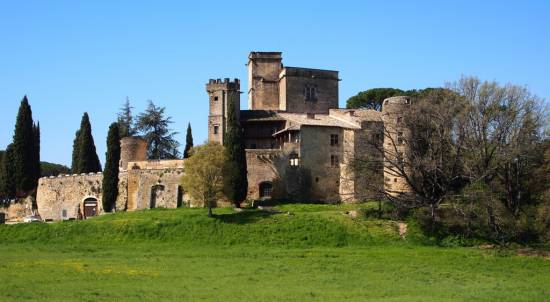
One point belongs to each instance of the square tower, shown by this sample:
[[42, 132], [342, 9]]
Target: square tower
[[220, 94], [263, 80]]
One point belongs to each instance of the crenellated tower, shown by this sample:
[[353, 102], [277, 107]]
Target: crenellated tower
[[220, 94]]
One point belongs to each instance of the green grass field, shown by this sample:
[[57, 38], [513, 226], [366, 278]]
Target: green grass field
[[304, 252]]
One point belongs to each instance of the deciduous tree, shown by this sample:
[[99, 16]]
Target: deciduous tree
[[203, 174]]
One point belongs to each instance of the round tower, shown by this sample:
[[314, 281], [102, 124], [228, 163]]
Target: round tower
[[396, 136], [133, 148]]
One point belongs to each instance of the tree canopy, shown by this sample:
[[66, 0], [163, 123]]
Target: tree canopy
[[85, 159], [188, 142], [126, 120], [25, 151], [154, 127], [203, 174], [110, 175], [235, 182]]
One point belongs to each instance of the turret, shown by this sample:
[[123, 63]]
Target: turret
[[395, 140], [220, 94]]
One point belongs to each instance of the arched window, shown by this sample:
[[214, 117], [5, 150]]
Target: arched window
[[266, 189]]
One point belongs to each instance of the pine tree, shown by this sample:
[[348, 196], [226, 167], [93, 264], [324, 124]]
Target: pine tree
[[110, 175], [24, 151], [154, 127], [76, 153], [235, 182], [126, 120], [36, 132], [7, 181], [85, 159], [188, 142]]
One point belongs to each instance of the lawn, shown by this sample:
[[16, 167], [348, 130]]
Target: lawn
[[306, 252]]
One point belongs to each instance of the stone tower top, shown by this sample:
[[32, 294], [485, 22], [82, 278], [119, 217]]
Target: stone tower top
[[263, 80], [220, 94], [132, 148]]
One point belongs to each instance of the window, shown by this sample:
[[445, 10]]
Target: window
[[310, 93], [216, 128], [266, 189], [64, 213], [400, 140], [334, 139], [293, 160], [334, 160], [215, 98]]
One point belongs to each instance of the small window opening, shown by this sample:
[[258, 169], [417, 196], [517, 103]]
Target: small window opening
[[215, 98], [334, 160], [216, 129], [400, 140], [293, 160], [334, 139]]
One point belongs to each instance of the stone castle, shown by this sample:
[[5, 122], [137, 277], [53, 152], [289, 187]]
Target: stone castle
[[299, 145]]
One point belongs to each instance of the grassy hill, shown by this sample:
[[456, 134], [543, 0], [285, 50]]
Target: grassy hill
[[293, 253]]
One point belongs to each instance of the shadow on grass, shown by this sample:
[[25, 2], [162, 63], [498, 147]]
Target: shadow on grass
[[244, 217]]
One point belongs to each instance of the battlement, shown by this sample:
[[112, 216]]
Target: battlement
[[225, 84], [71, 175]]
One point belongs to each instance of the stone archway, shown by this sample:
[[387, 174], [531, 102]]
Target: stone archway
[[157, 194], [90, 206]]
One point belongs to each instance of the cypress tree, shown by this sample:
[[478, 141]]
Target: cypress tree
[[235, 182], [76, 153], [7, 181], [24, 150], [36, 132], [88, 161], [188, 142], [110, 175]]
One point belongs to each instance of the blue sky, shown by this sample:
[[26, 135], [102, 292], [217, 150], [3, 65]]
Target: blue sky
[[76, 56]]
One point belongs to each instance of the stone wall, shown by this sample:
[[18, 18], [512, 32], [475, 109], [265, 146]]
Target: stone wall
[[154, 189], [261, 167], [147, 184], [315, 154], [60, 197], [293, 82], [18, 210]]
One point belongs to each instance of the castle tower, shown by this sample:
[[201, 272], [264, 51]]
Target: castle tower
[[395, 141], [263, 80], [133, 148], [220, 94]]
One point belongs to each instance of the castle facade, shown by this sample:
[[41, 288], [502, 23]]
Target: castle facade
[[299, 146]]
